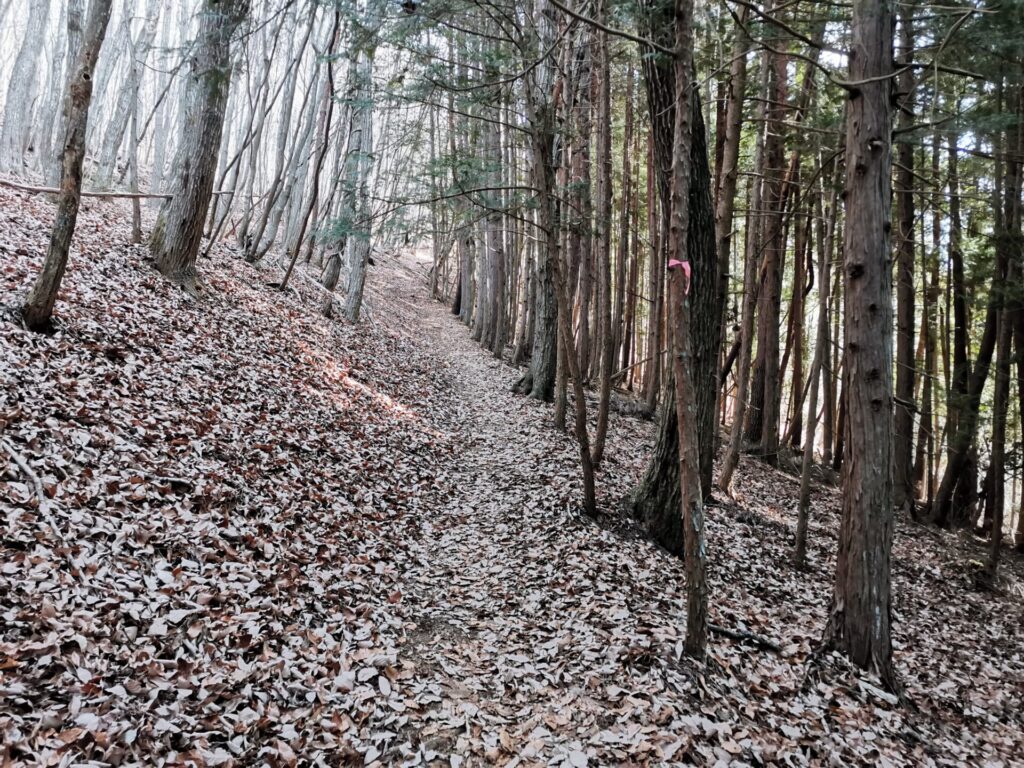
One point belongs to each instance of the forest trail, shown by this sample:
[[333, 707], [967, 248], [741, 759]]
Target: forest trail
[[535, 631], [269, 537], [542, 637], [520, 604], [265, 502]]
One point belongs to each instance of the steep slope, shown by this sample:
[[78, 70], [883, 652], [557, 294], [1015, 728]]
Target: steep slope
[[228, 489]]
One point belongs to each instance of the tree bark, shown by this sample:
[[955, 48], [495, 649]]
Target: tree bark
[[750, 300], [602, 239], [903, 423], [21, 89], [1006, 283], [624, 269], [860, 614], [539, 382], [127, 97], [821, 340], [178, 232], [766, 394], [728, 169], [924, 459], [656, 499], [647, 500], [691, 507], [38, 306], [655, 283]]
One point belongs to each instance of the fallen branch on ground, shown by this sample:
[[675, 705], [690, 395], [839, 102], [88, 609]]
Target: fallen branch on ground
[[128, 195], [37, 485]]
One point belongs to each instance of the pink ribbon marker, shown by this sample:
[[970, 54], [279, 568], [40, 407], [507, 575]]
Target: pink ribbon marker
[[685, 266]]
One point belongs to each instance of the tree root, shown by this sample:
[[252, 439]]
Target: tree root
[[739, 634]]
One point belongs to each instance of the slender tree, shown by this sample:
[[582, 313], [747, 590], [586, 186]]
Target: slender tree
[[686, 381], [21, 89], [820, 345], [602, 239], [38, 305], [903, 423]]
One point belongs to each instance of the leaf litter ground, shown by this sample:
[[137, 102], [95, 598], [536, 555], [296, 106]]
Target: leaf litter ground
[[266, 538]]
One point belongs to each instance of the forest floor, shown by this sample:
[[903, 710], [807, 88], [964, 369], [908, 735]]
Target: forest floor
[[237, 533]]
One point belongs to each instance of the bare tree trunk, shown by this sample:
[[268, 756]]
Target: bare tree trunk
[[278, 184], [295, 173], [21, 90], [831, 379], [1018, 333], [960, 489], [360, 135], [924, 460], [957, 474], [565, 331], [133, 175], [579, 215], [903, 423], [1006, 283], [728, 168], [656, 498], [561, 378], [1000, 403], [802, 270], [496, 332], [321, 155], [655, 283], [526, 302], [38, 305], [602, 239], [622, 325], [860, 614], [161, 110], [127, 97], [51, 132], [750, 301], [686, 382], [821, 341], [766, 392], [539, 381], [176, 236]]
